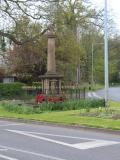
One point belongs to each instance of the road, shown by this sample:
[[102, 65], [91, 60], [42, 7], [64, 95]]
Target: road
[[114, 94], [19, 141]]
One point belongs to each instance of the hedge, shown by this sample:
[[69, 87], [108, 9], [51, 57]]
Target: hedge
[[10, 90]]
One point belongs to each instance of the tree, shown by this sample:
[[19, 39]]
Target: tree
[[76, 24], [12, 10], [68, 53], [72, 20], [72, 14], [27, 61], [114, 59]]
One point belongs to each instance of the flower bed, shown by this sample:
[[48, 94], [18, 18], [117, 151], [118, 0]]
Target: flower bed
[[40, 98]]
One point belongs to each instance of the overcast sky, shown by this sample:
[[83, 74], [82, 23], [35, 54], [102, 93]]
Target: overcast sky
[[113, 8]]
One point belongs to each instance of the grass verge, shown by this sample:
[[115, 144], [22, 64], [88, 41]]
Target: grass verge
[[72, 117]]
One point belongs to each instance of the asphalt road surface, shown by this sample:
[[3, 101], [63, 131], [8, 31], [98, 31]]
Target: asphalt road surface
[[114, 94], [19, 141]]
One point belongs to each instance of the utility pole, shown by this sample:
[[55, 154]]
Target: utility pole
[[106, 53]]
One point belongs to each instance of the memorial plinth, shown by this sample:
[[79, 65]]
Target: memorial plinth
[[51, 81]]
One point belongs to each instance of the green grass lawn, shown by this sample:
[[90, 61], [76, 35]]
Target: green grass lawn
[[70, 117], [115, 105]]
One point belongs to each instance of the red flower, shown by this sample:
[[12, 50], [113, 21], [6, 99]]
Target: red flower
[[40, 98]]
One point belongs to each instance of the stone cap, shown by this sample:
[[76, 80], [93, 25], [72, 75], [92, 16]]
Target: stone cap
[[51, 32], [51, 35]]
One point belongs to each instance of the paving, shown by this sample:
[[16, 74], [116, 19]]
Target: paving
[[22, 141]]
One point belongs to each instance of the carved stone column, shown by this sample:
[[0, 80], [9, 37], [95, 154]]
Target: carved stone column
[[51, 64]]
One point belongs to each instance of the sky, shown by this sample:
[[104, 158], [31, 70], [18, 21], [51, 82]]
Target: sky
[[113, 9]]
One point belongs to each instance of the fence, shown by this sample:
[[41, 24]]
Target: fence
[[75, 93], [13, 92], [68, 92]]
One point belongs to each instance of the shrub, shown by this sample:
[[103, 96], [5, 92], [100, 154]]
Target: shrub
[[11, 90], [72, 105], [20, 109], [67, 105]]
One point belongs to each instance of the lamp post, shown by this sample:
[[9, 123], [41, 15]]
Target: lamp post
[[106, 53]]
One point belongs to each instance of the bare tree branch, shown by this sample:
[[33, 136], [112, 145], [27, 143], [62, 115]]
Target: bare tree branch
[[16, 41]]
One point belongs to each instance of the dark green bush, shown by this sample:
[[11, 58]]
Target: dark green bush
[[11, 90]]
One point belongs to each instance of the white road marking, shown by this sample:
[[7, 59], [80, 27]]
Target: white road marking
[[32, 153], [62, 136], [57, 135], [3, 149], [6, 157], [84, 145], [89, 94], [95, 95], [39, 137], [94, 144]]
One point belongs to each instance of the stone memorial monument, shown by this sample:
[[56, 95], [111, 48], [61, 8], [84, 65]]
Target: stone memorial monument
[[51, 81]]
